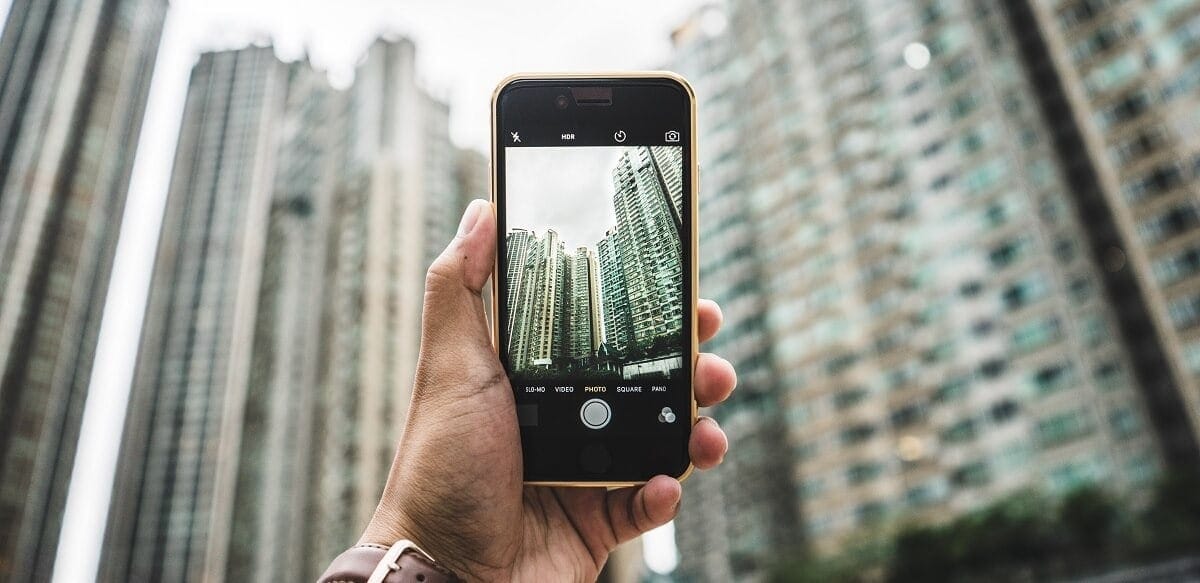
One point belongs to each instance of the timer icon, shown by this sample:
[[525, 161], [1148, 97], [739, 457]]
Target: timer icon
[[619, 136]]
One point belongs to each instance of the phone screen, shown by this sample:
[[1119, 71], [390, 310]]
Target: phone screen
[[594, 288]]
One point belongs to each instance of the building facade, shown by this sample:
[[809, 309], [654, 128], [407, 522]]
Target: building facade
[[585, 331], [898, 235], [540, 320], [618, 324], [281, 333], [648, 244], [274, 489], [1122, 79], [73, 88], [170, 515], [395, 209]]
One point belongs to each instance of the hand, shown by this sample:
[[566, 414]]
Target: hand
[[455, 484]]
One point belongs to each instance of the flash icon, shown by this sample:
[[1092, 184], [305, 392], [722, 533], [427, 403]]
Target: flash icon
[[516, 137]]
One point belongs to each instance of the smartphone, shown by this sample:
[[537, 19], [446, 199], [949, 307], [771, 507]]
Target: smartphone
[[594, 293]]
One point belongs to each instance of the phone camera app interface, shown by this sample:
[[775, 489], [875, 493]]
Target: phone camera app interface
[[594, 297]]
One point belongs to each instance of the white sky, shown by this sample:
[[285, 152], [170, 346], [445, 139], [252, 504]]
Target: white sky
[[464, 48], [567, 189]]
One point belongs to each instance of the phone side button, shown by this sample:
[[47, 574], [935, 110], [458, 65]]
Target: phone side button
[[594, 458]]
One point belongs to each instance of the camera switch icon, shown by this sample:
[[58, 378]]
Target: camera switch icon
[[666, 415], [671, 136]]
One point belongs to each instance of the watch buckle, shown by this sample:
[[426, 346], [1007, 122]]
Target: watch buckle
[[390, 560]]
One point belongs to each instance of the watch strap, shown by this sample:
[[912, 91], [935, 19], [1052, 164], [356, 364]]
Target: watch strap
[[403, 562]]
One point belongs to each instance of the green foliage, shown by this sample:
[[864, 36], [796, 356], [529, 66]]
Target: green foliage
[[1090, 517], [1026, 536], [1172, 523]]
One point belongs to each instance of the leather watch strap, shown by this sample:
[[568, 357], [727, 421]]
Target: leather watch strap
[[359, 563]]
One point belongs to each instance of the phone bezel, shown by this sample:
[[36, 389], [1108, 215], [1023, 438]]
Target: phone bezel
[[692, 170]]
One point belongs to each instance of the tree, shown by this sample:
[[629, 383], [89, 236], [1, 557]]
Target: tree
[[1090, 517]]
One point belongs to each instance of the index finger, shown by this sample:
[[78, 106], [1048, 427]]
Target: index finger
[[708, 318]]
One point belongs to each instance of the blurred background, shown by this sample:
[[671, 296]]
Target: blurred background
[[957, 245]]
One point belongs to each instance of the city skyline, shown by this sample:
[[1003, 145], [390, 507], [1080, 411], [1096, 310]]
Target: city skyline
[[599, 307], [334, 37], [956, 247], [297, 302]]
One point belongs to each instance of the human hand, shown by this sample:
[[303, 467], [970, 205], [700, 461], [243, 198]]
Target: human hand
[[455, 486]]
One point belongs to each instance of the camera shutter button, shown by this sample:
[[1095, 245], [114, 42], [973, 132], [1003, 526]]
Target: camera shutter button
[[595, 413]]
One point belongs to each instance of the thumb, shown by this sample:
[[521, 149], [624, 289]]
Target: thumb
[[454, 284]]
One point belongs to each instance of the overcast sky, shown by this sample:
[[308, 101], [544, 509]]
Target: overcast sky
[[463, 49], [566, 189]]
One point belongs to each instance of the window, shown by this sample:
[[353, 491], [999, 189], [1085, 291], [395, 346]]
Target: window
[[1191, 355], [983, 178], [951, 390], [1146, 142], [1036, 334], [1132, 106], [1062, 428], [1004, 410], [995, 215], [1178, 219], [1115, 73], [1006, 253], [1105, 37], [863, 472], [1064, 249], [1160, 180], [907, 416], [957, 69], [840, 363], [812, 488], [993, 368], [1081, 289], [963, 105], [1177, 266], [870, 512], [849, 398], [1185, 312], [1081, 12], [959, 432], [1052, 378], [1124, 422], [857, 434], [1024, 292], [971, 288], [971, 475], [1072, 475], [1107, 374]]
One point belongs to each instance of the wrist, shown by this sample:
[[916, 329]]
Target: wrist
[[391, 524], [401, 562]]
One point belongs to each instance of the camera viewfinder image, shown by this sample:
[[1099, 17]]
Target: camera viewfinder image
[[594, 262]]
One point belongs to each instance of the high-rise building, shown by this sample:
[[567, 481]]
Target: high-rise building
[[618, 327], [740, 516], [583, 301], [74, 78], [275, 463], [1121, 82], [884, 205], [395, 210], [518, 244], [668, 165], [540, 318], [648, 244], [173, 498], [281, 333]]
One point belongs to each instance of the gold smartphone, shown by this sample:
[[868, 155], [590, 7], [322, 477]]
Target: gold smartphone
[[594, 298]]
